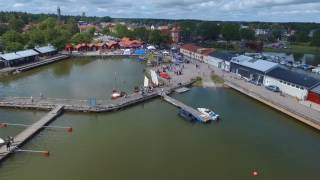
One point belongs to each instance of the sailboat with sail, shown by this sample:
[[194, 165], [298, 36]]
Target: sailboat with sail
[[115, 93]]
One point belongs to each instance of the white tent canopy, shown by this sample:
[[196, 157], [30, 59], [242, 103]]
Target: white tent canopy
[[151, 47], [2, 141]]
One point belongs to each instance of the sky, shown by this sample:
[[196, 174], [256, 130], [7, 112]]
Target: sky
[[225, 10]]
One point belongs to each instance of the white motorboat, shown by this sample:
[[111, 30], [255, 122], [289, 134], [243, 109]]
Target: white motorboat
[[115, 95], [207, 112], [2, 141]]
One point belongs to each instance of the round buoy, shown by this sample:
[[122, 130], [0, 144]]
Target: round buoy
[[70, 129], [255, 173], [46, 153]]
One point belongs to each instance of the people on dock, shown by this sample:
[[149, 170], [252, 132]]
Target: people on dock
[[9, 142]]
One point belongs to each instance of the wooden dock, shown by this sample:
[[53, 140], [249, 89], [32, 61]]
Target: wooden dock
[[29, 132], [185, 107], [40, 63]]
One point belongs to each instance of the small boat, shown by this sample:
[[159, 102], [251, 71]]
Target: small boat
[[2, 141], [115, 94], [207, 112]]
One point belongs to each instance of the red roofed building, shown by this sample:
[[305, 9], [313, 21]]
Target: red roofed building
[[195, 52], [127, 43]]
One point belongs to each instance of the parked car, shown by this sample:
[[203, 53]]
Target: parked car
[[273, 88]]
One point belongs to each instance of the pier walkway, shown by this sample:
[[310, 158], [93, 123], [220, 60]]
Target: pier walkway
[[30, 131], [183, 106]]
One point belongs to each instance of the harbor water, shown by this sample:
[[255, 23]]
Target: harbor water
[[150, 140]]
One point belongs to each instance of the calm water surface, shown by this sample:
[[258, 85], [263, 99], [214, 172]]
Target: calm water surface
[[150, 141]]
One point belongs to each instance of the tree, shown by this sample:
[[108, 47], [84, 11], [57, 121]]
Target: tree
[[92, 30], [121, 31], [247, 34], [316, 39], [12, 36], [157, 38], [208, 30], [105, 31], [72, 26], [3, 28], [81, 38], [15, 24], [231, 32], [13, 46], [276, 33], [141, 33], [36, 37], [188, 30], [302, 36]]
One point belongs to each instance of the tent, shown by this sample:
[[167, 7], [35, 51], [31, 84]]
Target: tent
[[151, 48], [140, 52]]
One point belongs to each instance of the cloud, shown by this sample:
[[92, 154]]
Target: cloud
[[233, 10], [18, 5]]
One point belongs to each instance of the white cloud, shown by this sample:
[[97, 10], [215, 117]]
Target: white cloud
[[18, 5], [233, 10]]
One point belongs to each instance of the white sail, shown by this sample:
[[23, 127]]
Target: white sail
[[146, 82], [154, 77]]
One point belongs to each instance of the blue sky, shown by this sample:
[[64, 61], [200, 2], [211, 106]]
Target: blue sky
[[229, 10]]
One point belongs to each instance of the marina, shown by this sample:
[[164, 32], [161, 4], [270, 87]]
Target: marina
[[153, 115]]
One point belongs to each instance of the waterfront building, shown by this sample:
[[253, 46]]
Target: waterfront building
[[251, 69], [195, 52], [48, 50], [2, 65], [127, 43], [314, 94], [292, 83], [220, 60], [19, 57]]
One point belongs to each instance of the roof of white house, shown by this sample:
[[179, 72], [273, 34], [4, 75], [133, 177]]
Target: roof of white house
[[27, 53], [316, 89], [45, 49], [10, 56], [257, 64]]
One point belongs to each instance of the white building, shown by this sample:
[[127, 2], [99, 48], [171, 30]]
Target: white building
[[291, 83], [195, 52], [220, 60]]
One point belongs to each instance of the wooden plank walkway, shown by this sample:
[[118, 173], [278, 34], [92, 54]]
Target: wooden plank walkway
[[29, 132], [40, 63], [185, 107]]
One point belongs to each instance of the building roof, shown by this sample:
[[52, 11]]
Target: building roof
[[260, 65], [316, 89], [222, 55], [293, 77], [190, 47], [27, 53], [10, 56], [197, 49], [45, 49]]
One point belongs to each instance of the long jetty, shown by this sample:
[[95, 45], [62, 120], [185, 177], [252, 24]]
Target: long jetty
[[40, 63], [185, 107], [29, 132]]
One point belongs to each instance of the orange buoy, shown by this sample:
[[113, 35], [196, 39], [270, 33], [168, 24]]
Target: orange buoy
[[70, 129], [46, 153], [255, 173]]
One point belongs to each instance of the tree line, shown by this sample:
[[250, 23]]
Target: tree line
[[42, 29]]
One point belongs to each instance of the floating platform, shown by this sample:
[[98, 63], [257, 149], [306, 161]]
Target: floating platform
[[182, 90]]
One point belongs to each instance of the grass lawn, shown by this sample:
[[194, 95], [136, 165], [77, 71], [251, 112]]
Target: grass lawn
[[217, 79], [198, 83]]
